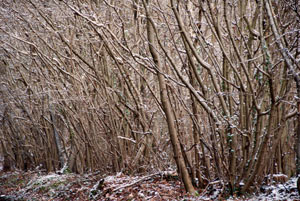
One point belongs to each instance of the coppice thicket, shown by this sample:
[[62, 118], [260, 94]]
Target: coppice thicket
[[209, 88]]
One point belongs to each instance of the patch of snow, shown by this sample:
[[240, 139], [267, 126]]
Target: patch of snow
[[286, 191], [63, 169], [42, 181], [109, 178], [279, 175]]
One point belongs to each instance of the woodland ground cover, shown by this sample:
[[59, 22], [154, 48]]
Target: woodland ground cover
[[36, 185]]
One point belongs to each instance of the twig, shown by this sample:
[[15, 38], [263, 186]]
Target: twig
[[137, 181]]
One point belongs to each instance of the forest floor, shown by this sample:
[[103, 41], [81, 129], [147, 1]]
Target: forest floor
[[36, 185]]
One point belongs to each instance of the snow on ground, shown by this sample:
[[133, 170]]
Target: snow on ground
[[285, 191], [94, 186]]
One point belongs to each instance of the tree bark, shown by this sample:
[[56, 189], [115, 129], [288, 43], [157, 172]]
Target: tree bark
[[288, 61], [181, 166], [57, 139]]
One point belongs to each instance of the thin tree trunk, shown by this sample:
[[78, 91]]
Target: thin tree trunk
[[182, 169], [57, 139], [284, 52]]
